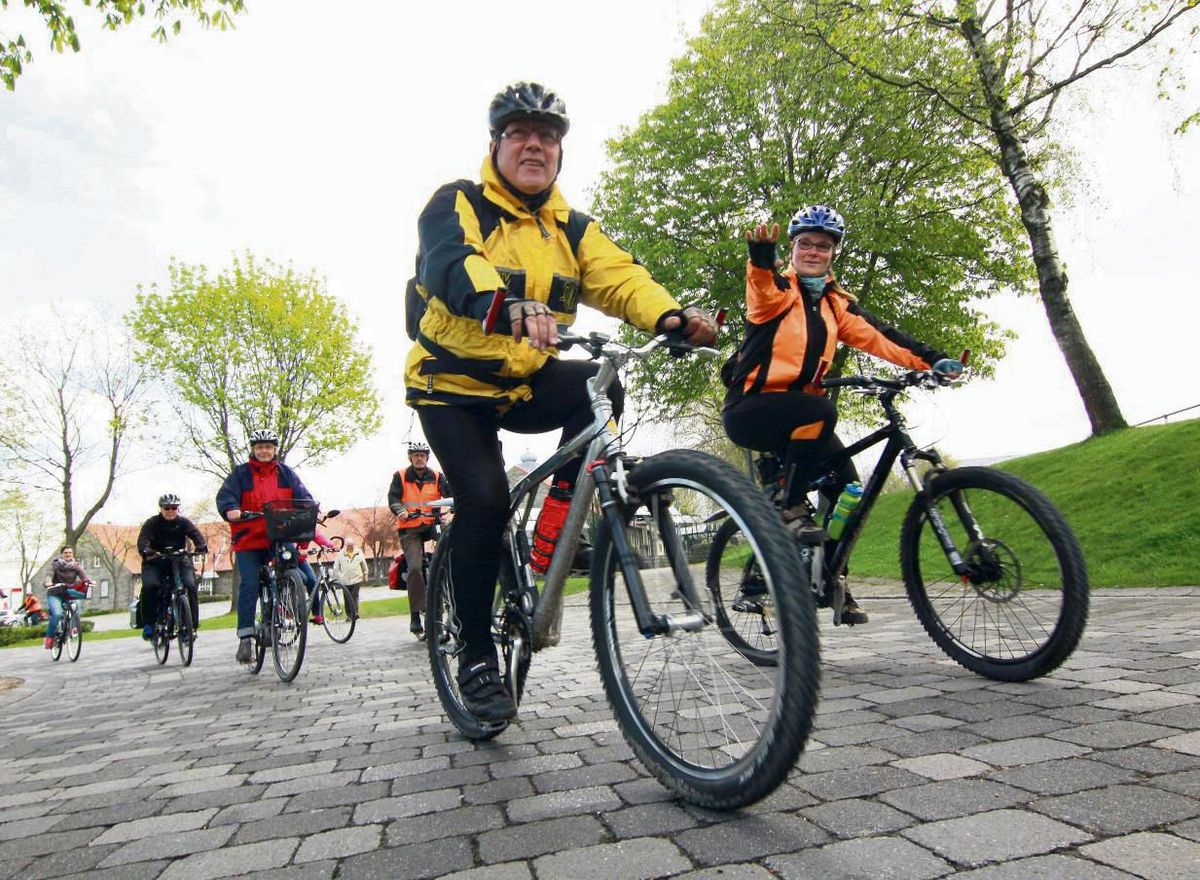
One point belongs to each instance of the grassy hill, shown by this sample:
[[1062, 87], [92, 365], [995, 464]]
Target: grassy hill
[[1132, 498]]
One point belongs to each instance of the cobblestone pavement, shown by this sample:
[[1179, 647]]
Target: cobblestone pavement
[[116, 767]]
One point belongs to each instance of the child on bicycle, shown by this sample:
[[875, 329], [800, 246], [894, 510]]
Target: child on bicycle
[[794, 320], [65, 580], [162, 533], [251, 485]]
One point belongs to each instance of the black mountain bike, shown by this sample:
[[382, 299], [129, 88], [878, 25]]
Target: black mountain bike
[[331, 599], [991, 568], [174, 621], [69, 631], [281, 618], [713, 727]]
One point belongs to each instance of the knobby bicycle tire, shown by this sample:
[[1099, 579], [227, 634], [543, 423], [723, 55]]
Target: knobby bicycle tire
[[183, 630], [747, 724], [289, 625], [161, 640], [444, 642], [1024, 607], [74, 635]]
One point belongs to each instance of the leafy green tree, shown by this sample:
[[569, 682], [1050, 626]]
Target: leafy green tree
[[760, 120], [27, 530], [14, 51], [73, 398], [257, 346], [1001, 68]]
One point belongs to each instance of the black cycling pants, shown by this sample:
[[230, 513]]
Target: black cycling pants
[[467, 445], [157, 586], [797, 427]]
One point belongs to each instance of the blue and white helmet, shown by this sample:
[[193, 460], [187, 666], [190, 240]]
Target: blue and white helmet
[[818, 218], [263, 435]]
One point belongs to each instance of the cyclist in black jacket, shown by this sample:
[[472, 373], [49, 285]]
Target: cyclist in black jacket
[[165, 531]]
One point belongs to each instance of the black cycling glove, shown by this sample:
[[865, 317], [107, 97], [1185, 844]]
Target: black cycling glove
[[762, 254]]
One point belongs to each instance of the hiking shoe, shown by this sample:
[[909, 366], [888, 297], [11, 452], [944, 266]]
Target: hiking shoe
[[851, 613], [484, 693], [798, 520], [147, 631], [245, 651], [416, 629]]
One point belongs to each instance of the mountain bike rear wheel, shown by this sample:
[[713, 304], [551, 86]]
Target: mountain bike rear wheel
[[1021, 608], [161, 641], [289, 625], [713, 726], [443, 631], [741, 600], [183, 631], [339, 612]]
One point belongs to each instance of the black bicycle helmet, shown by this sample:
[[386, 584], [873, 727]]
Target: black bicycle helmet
[[169, 500], [527, 100]]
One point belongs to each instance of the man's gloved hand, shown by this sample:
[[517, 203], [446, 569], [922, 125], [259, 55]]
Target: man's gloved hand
[[760, 241], [534, 321], [948, 367], [697, 325]]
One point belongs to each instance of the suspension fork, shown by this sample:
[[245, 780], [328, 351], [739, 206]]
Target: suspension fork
[[908, 459]]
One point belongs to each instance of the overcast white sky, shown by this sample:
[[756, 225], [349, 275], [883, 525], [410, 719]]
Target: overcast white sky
[[315, 132]]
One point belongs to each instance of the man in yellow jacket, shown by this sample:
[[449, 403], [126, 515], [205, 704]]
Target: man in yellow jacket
[[512, 232]]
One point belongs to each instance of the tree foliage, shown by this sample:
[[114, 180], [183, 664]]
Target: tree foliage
[[73, 396], [257, 346], [116, 14], [27, 529], [1002, 68], [760, 120]]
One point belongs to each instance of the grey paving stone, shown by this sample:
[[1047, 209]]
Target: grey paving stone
[[1015, 726], [955, 797], [1148, 759], [1187, 783], [406, 768], [1064, 777], [996, 836], [108, 815], [1029, 750], [168, 846], [912, 745], [638, 859], [80, 860], [414, 862], [538, 838], [292, 771], [509, 871], [139, 871], [1188, 743], [385, 809], [311, 871], [43, 844], [337, 797], [1112, 734], [876, 858], [1053, 867], [498, 791], [843, 758], [1151, 856], [311, 783], [233, 861], [292, 825], [583, 777], [338, 843], [728, 872], [1119, 809], [859, 782], [594, 799], [942, 766], [236, 814], [740, 840], [647, 819], [857, 818], [154, 826], [445, 823], [642, 791]]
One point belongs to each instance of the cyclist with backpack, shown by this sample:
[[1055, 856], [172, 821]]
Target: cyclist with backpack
[[416, 525], [262, 479], [164, 532], [795, 318]]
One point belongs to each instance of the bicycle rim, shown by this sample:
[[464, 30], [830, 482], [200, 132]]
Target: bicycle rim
[[56, 648], [289, 626], [338, 611], [162, 642], [262, 626], [183, 632], [715, 727], [1021, 609], [74, 637], [744, 609], [444, 642]]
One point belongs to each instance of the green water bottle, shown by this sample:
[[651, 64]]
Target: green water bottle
[[847, 503]]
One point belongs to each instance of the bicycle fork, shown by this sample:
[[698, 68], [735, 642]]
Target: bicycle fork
[[959, 502]]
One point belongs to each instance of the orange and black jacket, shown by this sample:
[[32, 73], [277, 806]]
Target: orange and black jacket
[[791, 339], [408, 486]]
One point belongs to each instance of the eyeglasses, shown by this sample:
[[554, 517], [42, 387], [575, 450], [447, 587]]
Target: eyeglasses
[[520, 134], [171, 507], [821, 247]]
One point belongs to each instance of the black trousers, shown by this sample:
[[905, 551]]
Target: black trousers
[[769, 422], [467, 445], [157, 585]]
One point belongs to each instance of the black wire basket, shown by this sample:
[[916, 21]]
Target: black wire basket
[[293, 520]]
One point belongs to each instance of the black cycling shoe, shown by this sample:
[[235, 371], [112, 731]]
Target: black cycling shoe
[[851, 613], [799, 522], [416, 629], [245, 650], [484, 693]]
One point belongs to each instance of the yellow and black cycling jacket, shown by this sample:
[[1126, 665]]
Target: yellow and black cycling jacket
[[477, 238], [790, 339]]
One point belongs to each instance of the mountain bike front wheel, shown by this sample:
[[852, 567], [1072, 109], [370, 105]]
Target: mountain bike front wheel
[[162, 642], [339, 612], [56, 648], [1020, 608], [74, 635], [184, 635], [714, 726], [289, 625], [741, 601]]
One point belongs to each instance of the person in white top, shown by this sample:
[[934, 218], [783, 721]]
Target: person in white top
[[350, 567]]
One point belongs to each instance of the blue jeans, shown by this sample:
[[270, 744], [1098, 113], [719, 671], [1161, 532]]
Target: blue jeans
[[56, 607]]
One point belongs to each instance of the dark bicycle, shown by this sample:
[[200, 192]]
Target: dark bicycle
[[717, 730], [991, 568], [281, 617], [331, 599], [174, 622], [69, 631]]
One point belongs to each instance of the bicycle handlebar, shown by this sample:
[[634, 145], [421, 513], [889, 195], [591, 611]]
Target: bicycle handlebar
[[602, 345], [884, 384]]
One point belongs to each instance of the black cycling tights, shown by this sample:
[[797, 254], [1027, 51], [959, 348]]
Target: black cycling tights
[[766, 422], [467, 446]]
